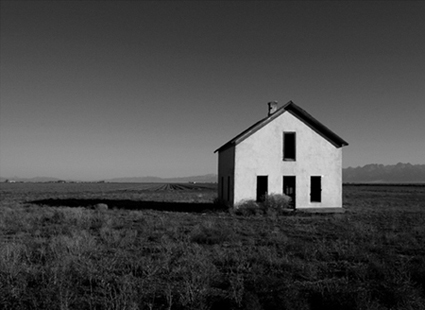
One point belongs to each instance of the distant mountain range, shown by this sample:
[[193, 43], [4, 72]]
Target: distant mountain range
[[378, 173], [372, 173]]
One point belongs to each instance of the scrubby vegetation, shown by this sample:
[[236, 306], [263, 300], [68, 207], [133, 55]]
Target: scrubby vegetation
[[273, 205], [71, 257]]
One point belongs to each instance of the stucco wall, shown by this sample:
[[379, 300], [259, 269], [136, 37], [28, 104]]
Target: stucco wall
[[226, 161], [262, 154]]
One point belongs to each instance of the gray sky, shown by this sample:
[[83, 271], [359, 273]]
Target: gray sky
[[95, 90]]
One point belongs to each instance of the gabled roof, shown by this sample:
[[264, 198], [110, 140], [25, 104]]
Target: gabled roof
[[299, 113]]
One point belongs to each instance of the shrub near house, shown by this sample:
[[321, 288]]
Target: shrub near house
[[275, 204]]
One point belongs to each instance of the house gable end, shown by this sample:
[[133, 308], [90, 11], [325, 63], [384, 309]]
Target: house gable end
[[300, 114]]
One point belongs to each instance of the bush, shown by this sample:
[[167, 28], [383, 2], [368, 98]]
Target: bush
[[273, 204], [249, 208], [277, 204]]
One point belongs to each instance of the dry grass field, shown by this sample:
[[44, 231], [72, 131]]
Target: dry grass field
[[162, 246]]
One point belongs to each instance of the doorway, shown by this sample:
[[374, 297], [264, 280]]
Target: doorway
[[316, 189], [289, 188], [262, 187]]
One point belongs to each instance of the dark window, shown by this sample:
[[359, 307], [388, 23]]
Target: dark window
[[316, 189], [262, 187], [289, 146]]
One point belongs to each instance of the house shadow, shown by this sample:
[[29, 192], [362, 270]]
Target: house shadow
[[192, 207]]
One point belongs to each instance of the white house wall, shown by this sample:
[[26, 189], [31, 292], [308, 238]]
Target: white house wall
[[262, 154]]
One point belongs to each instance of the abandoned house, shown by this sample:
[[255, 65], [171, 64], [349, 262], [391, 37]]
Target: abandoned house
[[288, 152]]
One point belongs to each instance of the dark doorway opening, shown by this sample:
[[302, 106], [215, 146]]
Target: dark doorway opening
[[262, 187], [316, 189], [289, 188]]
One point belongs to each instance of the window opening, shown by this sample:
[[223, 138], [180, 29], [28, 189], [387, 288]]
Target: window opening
[[262, 187], [289, 146], [316, 189]]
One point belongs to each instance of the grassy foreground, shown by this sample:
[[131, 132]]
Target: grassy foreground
[[59, 254]]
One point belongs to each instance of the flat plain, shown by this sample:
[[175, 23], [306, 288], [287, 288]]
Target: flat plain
[[168, 246]]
